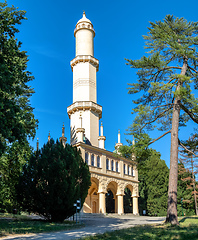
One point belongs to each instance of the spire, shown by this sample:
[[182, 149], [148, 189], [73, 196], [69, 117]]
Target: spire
[[84, 15], [133, 141], [118, 135], [49, 137], [80, 119], [63, 130], [101, 138], [37, 144], [101, 129], [119, 143], [63, 138]]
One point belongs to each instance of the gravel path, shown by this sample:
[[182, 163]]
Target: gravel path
[[93, 225]]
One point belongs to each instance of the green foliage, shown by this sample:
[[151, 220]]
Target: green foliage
[[53, 180], [11, 165], [16, 115], [152, 175], [170, 43], [185, 192], [154, 187]]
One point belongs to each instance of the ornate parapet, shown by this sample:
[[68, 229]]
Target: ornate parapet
[[84, 105], [85, 58]]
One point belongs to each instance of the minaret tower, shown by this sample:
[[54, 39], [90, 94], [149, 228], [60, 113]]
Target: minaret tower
[[84, 67]]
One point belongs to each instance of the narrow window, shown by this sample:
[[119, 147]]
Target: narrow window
[[128, 169], [124, 168], [92, 159], [112, 165], [86, 157], [107, 164], [132, 171], [116, 166], [98, 161]]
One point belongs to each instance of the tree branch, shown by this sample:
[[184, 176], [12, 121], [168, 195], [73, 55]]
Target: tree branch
[[191, 115], [160, 137], [160, 115], [165, 105], [186, 148], [193, 69]]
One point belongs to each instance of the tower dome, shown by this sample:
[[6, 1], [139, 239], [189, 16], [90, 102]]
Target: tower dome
[[84, 23], [84, 19]]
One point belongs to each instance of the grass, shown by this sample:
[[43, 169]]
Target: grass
[[188, 229], [23, 224]]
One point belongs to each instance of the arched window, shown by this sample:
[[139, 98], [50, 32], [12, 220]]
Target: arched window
[[107, 164], [86, 157], [128, 169], [112, 165], [98, 161], [116, 166], [124, 168], [92, 159]]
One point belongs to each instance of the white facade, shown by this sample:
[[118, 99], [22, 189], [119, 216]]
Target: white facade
[[109, 171], [84, 67]]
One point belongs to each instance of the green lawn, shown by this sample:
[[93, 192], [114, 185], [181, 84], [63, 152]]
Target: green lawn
[[188, 230], [18, 224]]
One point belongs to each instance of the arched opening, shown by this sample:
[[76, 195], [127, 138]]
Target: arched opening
[[110, 202], [91, 204], [128, 203], [111, 198]]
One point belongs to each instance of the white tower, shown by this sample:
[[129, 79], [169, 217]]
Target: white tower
[[84, 112]]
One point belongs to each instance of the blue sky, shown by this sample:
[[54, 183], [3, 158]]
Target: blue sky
[[48, 38]]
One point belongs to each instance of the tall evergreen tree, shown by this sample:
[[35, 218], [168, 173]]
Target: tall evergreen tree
[[166, 77], [54, 179], [16, 115], [152, 175]]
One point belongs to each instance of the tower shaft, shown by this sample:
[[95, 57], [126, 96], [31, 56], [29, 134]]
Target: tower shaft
[[84, 67]]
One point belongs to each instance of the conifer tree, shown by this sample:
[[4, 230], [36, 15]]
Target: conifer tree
[[167, 75], [54, 179]]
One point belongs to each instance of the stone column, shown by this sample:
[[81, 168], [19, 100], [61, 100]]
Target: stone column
[[135, 205], [102, 202], [120, 204]]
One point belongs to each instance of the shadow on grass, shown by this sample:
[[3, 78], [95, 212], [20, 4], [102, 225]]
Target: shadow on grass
[[16, 226], [185, 218], [150, 232]]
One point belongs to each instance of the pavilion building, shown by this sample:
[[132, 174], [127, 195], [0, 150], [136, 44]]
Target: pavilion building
[[111, 174]]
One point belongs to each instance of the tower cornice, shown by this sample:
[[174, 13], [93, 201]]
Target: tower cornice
[[85, 58], [84, 105]]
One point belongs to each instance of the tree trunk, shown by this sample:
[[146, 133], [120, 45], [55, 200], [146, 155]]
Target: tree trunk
[[173, 174]]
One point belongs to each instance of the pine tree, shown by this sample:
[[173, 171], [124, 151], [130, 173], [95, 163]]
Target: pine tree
[[166, 78]]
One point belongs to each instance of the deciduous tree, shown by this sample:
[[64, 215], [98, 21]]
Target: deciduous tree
[[167, 76], [16, 115]]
